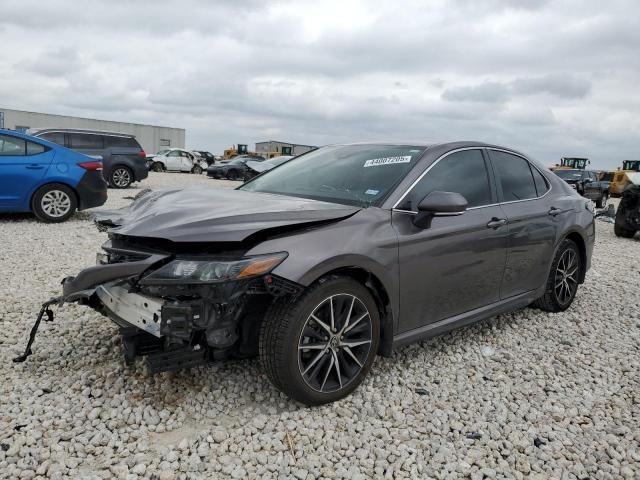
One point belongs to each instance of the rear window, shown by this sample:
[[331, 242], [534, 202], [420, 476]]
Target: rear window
[[35, 148], [541, 183], [110, 141], [85, 141], [514, 176], [54, 137]]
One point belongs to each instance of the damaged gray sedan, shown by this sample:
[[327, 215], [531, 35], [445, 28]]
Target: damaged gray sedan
[[334, 257]]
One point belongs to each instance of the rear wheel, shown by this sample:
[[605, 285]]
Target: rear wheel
[[197, 169], [120, 177], [564, 276], [319, 348], [232, 175], [54, 203]]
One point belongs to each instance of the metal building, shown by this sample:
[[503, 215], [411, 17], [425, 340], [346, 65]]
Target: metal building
[[151, 137], [272, 148]]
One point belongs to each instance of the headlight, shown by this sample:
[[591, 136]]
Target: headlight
[[213, 271]]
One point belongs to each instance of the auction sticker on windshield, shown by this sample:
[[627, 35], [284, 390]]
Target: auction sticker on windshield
[[374, 162]]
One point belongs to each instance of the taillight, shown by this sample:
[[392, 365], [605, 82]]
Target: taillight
[[142, 154], [91, 165]]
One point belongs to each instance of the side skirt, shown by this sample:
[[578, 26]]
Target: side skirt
[[451, 323]]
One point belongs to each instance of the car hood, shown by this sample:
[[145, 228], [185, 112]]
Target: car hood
[[203, 214], [259, 166]]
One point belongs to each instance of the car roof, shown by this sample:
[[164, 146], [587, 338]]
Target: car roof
[[39, 131], [442, 145]]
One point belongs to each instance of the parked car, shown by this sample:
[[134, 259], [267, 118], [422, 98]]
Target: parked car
[[336, 256], [122, 156], [207, 156], [254, 168], [233, 169], [586, 183], [178, 160], [44, 178]]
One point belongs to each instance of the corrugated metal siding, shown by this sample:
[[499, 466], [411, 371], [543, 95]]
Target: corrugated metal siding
[[149, 136]]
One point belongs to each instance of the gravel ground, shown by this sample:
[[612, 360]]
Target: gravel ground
[[524, 395]]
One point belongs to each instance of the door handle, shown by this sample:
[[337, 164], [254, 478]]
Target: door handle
[[553, 211], [496, 223], [34, 166]]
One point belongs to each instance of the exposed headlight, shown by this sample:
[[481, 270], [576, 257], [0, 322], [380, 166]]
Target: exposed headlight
[[214, 271]]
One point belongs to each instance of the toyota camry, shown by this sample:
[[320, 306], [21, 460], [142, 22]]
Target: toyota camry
[[339, 255]]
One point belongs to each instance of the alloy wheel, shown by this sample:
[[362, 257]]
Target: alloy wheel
[[334, 343], [566, 280], [56, 203], [121, 177]]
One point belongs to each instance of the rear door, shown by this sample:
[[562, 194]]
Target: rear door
[[533, 221], [456, 265], [23, 164]]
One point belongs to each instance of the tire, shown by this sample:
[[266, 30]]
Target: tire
[[197, 169], [623, 232], [559, 296], [54, 203], [289, 324], [157, 167], [602, 201], [120, 177], [232, 175]]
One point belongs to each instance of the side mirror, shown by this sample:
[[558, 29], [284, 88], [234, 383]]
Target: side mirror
[[439, 204]]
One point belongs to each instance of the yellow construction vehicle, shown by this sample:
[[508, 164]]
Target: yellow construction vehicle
[[241, 149], [572, 163], [622, 178]]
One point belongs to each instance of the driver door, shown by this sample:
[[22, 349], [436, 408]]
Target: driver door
[[456, 265]]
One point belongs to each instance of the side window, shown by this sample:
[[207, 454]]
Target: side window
[[11, 146], [85, 140], [112, 141], [54, 137], [462, 172], [514, 176], [35, 148], [173, 153], [541, 183]]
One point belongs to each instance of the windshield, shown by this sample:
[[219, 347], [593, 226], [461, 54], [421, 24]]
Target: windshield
[[162, 152], [237, 161], [569, 174], [349, 174]]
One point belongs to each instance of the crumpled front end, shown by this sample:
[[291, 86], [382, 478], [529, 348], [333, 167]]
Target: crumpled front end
[[180, 310]]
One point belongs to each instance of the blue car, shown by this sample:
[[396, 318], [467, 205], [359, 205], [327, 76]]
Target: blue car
[[44, 178]]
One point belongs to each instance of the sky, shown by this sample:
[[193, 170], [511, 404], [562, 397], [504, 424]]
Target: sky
[[551, 78]]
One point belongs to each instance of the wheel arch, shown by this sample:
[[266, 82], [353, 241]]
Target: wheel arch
[[379, 293], [54, 182], [579, 240]]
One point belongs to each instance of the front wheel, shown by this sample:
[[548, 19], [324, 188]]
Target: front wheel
[[563, 280], [197, 169], [319, 348], [623, 232], [120, 177], [157, 167], [232, 175]]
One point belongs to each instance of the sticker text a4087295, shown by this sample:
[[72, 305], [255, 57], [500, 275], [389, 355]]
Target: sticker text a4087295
[[375, 162]]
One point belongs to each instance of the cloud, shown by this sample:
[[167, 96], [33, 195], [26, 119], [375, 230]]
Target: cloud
[[487, 92], [549, 78], [560, 85]]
